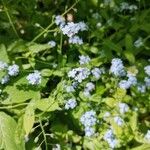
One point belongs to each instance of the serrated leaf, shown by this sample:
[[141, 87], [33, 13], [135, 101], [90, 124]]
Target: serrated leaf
[[7, 132]]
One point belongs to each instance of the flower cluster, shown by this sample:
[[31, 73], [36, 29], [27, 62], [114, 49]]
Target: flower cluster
[[75, 40], [71, 29], [34, 78], [147, 70], [119, 121], [12, 70], [123, 108], [70, 104], [79, 74], [88, 119], [109, 137], [117, 67], [88, 88], [97, 72], [3, 65], [126, 84], [84, 59], [59, 20]]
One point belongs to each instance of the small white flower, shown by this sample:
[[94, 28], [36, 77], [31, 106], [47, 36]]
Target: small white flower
[[34, 78], [119, 121], [75, 40], [52, 43], [89, 131], [147, 136], [124, 6], [117, 67], [3, 65], [59, 20], [5, 79], [139, 42], [13, 70], [147, 70], [70, 89], [141, 88], [123, 108], [70, 104], [84, 59]]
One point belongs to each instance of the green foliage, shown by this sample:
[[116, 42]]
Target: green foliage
[[34, 115]]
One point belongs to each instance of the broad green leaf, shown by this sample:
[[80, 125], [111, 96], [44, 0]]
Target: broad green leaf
[[133, 121], [142, 147], [36, 48], [20, 91], [7, 133], [3, 53], [46, 72], [129, 55], [17, 47], [47, 105], [28, 119], [118, 130], [20, 134], [111, 102]]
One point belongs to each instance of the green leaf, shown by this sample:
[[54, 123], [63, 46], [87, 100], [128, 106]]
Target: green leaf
[[130, 57], [17, 47], [119, 94], [28, 119], [3, 53], [133, 121], [7, 132], [128, 42], [20, 91], [142, 147], [36, 48], [47, 105], [111, 102]]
